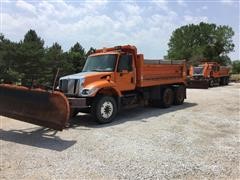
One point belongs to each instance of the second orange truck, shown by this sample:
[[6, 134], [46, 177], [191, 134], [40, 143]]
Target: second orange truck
[[208, 74]]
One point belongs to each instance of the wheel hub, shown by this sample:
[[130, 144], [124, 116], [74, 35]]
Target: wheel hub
[[107, 109]]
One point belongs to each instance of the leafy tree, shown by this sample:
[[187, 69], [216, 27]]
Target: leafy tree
[[55, 59], [8, 65], [28, 63], [202, 41], [52, 58], [30, 58], [77, 56], [236, 67]]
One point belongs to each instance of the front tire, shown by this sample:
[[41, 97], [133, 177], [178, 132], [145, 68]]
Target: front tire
[[104, 109], [211, 83], [227, 80]]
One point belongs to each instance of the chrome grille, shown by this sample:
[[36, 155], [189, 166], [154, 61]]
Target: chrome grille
[[70, 86], [64, 85]]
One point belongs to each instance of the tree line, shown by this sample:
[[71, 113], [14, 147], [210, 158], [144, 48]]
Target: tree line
[[29, 63], [200, 42], [203, 42]]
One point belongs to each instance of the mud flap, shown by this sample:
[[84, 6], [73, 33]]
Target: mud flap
[[198, 84], [36, 106]]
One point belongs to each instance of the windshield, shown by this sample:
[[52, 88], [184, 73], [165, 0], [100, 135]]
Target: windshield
[[198, 70], [102, 63]]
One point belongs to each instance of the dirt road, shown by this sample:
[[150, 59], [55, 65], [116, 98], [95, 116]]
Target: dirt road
[[200, 139]]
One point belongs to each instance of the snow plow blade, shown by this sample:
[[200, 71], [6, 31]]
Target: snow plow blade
[[36, 106], [198, 84]]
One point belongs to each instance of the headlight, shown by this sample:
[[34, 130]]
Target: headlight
[[88, 92]]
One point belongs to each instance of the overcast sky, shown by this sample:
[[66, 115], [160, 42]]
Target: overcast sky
[[102, 23]]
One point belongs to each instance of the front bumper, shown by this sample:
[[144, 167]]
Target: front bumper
[[199, 77], [202, 84], [77, 102]]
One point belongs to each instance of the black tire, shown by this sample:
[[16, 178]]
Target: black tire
[[211, 83], [73, 113], [154, 103], [218, 81], [222, 81], [167, 98], [179, 95], [227, 80], [104, 109]]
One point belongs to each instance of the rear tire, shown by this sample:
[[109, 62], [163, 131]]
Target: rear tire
[[167, 98], [179, 95], [104, 109]]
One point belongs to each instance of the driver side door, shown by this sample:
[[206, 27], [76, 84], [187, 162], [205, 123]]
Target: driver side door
[[125, 79]]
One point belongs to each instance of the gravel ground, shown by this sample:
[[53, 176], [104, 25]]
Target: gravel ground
[[197, 140]]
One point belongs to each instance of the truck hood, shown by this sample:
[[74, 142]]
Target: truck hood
[[87, 78], [73, 85], [86, 75]]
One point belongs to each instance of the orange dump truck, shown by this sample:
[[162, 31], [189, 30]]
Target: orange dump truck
[[208, 74], [112, 79]]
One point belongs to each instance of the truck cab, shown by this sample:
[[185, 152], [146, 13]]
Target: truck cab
[[109, 73], [114, 70]]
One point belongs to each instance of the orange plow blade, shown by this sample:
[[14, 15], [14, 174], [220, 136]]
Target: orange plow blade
[[36, 106]]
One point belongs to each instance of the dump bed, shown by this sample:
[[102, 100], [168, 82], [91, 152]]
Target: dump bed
[[159, 72]]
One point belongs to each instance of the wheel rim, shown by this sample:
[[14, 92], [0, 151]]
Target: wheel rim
[[107, 109]]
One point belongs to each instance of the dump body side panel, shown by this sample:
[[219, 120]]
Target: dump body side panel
[[155, 72]]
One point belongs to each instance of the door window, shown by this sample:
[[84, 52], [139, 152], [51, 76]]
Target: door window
[[216, 68], [125, 63]]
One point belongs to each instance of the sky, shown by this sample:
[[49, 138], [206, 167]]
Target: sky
[[147, 24]]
